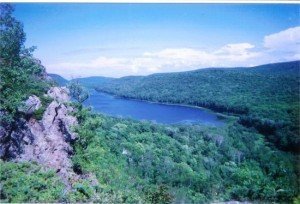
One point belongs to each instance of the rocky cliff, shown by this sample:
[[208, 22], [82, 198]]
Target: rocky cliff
[[46, 141]]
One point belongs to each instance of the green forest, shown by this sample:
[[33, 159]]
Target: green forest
[[253, 157], [264, 97]]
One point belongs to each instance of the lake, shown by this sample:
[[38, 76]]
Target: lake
[[155, 112]]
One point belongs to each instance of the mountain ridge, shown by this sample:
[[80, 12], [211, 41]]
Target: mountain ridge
[[260, 68], [264, 97]]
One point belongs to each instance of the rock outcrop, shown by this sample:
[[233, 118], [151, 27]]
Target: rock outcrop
[[60, 94], [46, 142], [52, 135], [14, 137]]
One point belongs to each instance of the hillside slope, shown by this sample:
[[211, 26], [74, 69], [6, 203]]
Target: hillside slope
[[59, 79], [239, 90], [92, 82], [88, 82], [267, 95], [53, 150]]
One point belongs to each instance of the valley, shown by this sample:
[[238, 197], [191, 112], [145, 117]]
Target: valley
[[210, 135]]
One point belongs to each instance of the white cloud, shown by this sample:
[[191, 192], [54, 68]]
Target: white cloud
[[281, 46], [177, 59], [101, 62], [239, 52], [105, 66], [186, 58], [240, 48], [286, 41], [180, 53], [284, 45]]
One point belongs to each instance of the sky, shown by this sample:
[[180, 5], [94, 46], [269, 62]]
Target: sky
[[115, 40]]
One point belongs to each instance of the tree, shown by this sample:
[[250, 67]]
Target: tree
[[21, 75], [159, 195], [77, 91], [12, 36]]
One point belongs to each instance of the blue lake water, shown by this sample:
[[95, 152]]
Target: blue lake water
[[155, 112]]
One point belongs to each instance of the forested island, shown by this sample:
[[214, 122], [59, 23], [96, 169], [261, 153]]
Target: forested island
[[54, 149]]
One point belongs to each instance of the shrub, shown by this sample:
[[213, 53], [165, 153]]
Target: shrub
[[27, 182]]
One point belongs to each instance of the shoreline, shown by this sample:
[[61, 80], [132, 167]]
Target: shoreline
[[224, 116]]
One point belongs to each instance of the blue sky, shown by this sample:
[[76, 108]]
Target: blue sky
[[137, 39]]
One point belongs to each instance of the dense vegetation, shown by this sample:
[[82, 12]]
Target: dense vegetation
[[28, 182], [150, 163], [145, 161], [21, 75], [140, 161], [92, 82], [266, 96]]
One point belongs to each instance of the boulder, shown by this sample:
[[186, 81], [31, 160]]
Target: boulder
[[32, 104]]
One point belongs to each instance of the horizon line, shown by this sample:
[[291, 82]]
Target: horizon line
[[243, 67]]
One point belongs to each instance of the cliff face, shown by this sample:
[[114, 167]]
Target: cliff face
[[46, 142]]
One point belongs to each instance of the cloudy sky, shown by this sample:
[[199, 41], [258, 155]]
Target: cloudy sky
[[79, 40]]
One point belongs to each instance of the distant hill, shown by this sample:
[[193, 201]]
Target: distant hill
[[215, 88], [89, 82], [266, 96], [93, 82], [283, 68], [59, 79], [235, 90]]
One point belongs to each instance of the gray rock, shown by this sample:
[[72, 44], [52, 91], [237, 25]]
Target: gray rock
[[13, 138], [51, 147], [32, 104], [46, 142], [60, 94]]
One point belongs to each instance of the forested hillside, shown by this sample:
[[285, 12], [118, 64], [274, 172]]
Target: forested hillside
[[190, 164], [237, 90], [53, 149], [88, 82], [266, 97], [92, 82], [59, 79]]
